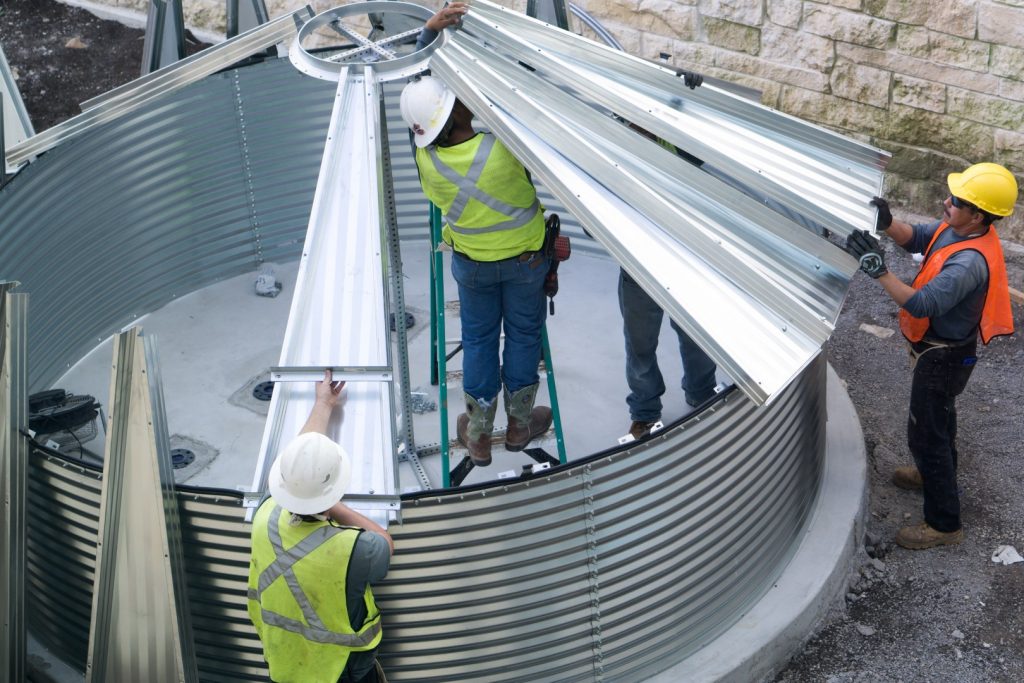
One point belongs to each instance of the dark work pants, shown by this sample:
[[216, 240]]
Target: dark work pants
[[940, 375], [369, 677]]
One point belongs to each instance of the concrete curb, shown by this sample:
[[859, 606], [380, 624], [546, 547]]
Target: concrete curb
[[778, 625]]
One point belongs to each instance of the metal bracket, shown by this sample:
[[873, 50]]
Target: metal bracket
[[369, 501], [345, 373]]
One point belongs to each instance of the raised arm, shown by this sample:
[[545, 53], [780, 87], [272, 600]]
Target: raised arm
[[327, 395]]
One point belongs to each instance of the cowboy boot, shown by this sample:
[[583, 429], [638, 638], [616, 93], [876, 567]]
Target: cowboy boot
[[474, 428], [524, 421]]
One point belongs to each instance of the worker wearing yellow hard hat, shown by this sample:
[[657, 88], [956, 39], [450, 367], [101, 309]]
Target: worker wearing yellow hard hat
[[960, 293]]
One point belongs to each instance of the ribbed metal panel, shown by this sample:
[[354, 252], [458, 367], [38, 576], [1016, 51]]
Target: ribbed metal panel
[[176, 195], [216, 543], [819, 172], [63, 518], [621, 565], [64, 499], [17, 126], [755, 289], [339, 311], [140, 627], [13, 476]]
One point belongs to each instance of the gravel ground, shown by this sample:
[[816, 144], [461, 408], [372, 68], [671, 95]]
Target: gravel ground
[[947, 614]]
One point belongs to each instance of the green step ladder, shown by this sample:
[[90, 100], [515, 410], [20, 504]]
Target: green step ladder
[[440, 357]]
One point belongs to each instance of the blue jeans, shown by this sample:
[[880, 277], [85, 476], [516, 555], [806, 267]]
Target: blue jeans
[[940, 375], [641, 325], [509, 292]]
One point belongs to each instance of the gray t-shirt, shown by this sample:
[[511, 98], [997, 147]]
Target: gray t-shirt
[[954, 298], [369, 563]]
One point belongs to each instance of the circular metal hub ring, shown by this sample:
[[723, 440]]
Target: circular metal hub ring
[[377, 55]]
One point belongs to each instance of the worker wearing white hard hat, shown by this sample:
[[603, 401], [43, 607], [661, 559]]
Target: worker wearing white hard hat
[[496, 228], [314, 560]]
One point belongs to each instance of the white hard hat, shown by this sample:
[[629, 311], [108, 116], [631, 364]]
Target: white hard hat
[[426, 105], [310, 475]]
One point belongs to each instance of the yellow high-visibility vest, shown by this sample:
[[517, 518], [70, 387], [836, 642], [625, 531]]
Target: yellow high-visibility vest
[[297, 598], [489, 205]]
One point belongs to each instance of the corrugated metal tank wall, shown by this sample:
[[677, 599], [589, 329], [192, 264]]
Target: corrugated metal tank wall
[[622, 564], [200, 186], [161, 202]]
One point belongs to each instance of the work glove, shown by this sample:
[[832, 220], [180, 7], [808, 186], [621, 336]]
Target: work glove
[[866, 249], [884, 221], [691, 79]]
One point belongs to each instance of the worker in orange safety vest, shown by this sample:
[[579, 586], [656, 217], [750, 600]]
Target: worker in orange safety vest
[[960, 292]]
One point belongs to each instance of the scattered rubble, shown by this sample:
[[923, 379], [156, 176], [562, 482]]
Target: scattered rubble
[[880, 332]]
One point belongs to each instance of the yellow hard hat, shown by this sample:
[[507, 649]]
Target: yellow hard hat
[[990, 187]]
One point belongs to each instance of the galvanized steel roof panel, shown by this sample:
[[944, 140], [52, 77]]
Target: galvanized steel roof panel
[[339, 311], [756, 290]]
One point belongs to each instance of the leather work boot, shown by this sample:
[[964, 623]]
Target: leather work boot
[[640, 429], [907, 478], [524, 421], [922, 536], [474, 428]]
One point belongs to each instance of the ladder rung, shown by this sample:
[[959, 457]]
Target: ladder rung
[[381, 373]]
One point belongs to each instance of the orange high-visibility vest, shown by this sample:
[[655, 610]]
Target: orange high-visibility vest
[[997, 315]]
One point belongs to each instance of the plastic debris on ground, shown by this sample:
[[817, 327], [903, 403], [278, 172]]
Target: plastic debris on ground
[[1006, 554], [880, 332], [266, 281]]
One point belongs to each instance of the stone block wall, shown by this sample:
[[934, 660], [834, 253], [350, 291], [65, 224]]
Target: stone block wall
[[939, 83]]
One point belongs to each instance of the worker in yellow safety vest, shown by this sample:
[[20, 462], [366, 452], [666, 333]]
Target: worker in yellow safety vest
[[495, 227], [960, 293], [313, 561]]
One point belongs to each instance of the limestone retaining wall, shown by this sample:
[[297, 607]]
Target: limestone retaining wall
[[939, 83]]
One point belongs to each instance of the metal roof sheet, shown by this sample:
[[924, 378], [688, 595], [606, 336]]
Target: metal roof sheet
[[756, 289]]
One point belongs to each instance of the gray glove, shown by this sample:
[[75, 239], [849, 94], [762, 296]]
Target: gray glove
[[866, 249], [884, 221], [691, 79]]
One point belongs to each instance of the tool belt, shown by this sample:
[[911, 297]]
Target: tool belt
[[525, 257], [557, 248], [919, 348]]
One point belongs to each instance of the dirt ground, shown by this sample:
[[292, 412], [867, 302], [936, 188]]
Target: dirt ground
[[62, 55], [948, 614]]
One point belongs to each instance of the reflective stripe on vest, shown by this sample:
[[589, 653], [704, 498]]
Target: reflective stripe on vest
[[467, 186], [282, 566], [997, 314]]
